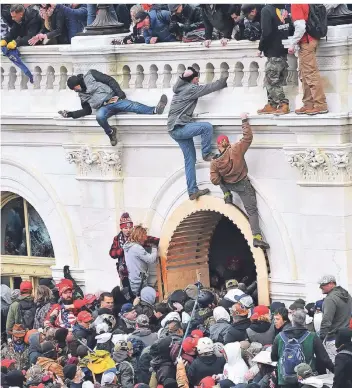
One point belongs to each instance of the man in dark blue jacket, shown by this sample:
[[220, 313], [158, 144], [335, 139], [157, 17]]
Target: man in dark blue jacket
[[76, 18]]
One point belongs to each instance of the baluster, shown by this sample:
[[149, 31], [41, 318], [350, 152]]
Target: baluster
[[57, 75], [133, 80], [6, 81], [145, 83], [261, 74], [18, 80], [160, 79], [174, 78], [217, 73], [231, 79], [203, 74]]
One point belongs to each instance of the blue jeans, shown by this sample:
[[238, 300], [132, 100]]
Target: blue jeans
[[184, 136], [106, 111], [92, 13]]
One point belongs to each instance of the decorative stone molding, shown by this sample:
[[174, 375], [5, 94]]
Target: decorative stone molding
[[319, 167], [96, 163]]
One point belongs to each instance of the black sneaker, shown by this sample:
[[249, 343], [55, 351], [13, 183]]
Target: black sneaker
[[208, 157], [260, 244], [113, 138], [228, 198], [159, 109], [198, 194]]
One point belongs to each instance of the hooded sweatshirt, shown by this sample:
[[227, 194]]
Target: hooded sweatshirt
[[204, 366], [337, 309], [230, 166], [14, 315], [137, 261], [222, 325], [185, 100], [145, 335], [235, 368]]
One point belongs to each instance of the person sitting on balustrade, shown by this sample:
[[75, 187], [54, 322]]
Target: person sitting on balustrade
[[103, 93]]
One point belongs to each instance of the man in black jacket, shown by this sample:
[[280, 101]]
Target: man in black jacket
[[343, 360], [217, 16], [185, 18], [101, 92], [27, 23], [275, 26]]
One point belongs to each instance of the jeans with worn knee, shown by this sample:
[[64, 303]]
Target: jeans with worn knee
[[184, 136], [92, 13], [106, 111]]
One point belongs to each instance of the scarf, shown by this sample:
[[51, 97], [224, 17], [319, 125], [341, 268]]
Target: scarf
[[45, 13], [130, 324], [19, 348]]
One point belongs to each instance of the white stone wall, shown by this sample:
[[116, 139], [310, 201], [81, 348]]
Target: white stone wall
[[304, 197]]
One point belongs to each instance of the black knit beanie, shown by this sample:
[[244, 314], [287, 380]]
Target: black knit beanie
[[190, 77], [70, 371], [15, 378], [73, 81], [48, 350], [61, 334], [82, 351]]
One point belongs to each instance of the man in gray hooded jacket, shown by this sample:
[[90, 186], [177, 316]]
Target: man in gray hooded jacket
[[337, 310], [181, 128], [101, 92]]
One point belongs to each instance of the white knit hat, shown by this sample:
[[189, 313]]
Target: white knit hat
[[205, 345]]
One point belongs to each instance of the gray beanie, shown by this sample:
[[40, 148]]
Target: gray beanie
[[173, 7], [298, 318]]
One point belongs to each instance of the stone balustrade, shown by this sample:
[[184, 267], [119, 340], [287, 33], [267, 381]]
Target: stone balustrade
[[156, 67]]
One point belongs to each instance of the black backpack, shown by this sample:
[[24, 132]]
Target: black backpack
[[27, 312], [317, 23]]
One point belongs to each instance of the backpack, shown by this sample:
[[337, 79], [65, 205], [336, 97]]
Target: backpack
[[317, 23], [118, 372], [27, 312], [292, 356]]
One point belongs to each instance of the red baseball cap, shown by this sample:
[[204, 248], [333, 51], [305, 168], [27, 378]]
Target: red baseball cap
[[197, 333], [26, 286], [259, 311], [7, 362], [84, 316], [221, 138], [207, 382], [90, 298], [189, 344]]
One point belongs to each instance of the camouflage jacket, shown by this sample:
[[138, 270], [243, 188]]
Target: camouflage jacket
[[22, 358]]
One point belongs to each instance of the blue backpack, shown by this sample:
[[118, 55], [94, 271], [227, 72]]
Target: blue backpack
[[292, 356]]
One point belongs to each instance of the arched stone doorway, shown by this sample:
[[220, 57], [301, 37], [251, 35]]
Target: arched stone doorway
[[185, 244]]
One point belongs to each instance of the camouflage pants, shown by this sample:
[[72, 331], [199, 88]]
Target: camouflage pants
[[275, 79]]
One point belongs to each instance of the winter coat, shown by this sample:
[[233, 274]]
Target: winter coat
[[21, 357], [181, 375], [159, 27], [145, 335], [50, 365], [235, 368], [185, 100], [188, 20], [124, 368], [337, 309], [219, 330], [274, 30], [161, 361], [83, 333], [35, 349], [262, 332], [137, 261], [237, 331], [75, 18], [143, 372], [126, 326], [24, 31], [40, 315], [219, 18], [5, 305], [58, 27], [230, 166], [204, 366], [14, 315], [312, 347], [98, 88], [343, 368]]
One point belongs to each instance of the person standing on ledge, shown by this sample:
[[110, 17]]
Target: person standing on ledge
[[229, 170], [181, 128], [101, 92]]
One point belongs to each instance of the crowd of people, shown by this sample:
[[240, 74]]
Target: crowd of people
[[53, 336]]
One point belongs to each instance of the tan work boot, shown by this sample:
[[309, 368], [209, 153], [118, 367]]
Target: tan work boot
[[283, 109], [302, 110], [267, 110], [316, 111]]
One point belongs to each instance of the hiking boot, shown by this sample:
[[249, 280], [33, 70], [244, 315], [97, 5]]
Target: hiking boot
[[302, 110], [316, 111], [113, 138], [283, 109], [228, 198], [208, 157], [267, 110], [159, 109], [258, 242], [198, 194]]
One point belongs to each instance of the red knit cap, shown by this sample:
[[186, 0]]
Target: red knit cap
[[197, 334], [259, 311], [189, 344], [207, 382], [221, 138], [25, 286], [125, 221]]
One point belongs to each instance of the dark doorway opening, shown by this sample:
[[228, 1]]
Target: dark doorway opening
[[230, 256]]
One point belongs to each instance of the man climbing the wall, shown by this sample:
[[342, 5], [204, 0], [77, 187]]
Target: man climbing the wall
[[229, 170]]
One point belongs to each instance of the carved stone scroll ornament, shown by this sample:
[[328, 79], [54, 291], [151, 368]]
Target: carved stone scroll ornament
[[319, 166], [96, 163]]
